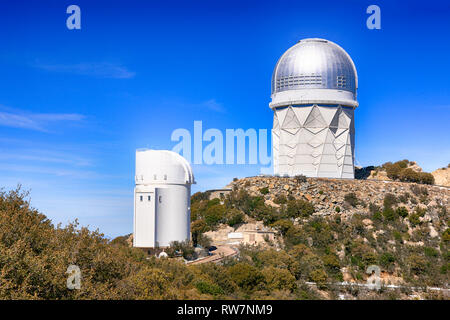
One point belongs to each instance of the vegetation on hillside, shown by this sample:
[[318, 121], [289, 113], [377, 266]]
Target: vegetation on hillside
[[319, 248], [398, 171], [34, 254]]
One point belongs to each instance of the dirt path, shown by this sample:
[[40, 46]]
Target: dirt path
[[217, 255]]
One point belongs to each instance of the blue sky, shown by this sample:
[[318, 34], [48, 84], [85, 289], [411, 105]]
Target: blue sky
[[75, 104]]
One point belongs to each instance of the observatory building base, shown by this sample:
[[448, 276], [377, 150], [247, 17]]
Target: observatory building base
[[314, 140]]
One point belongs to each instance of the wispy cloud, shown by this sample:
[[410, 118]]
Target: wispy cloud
[[210, 104], [213, 105], [56, 171], [94, 69], [34, 121], [44, 156]]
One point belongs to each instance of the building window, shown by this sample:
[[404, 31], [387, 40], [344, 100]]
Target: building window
[[159, 198], [341, 82], [165, 177], [141, 198], [149, 198], [154, 177], [299, 81]]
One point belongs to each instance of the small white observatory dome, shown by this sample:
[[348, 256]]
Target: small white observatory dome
[[314, 70], [161, 198], [162, 166]]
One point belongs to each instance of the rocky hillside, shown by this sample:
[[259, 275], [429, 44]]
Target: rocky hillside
[[331, 230], [328, 194]]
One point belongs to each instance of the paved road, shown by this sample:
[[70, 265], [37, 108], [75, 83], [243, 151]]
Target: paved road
[[217, 255]]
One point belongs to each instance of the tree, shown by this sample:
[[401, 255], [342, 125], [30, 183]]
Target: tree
[[282, 226], [417, 263], [152, 283], [246, 276], [278, 279], [214, 214], [234, 217], [197, 228]]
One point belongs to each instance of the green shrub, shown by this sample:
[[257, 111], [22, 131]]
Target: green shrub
[[246, 276], [430, 252], [374, 208], [318, 276], [446, 235], [403, 198], [235, 217], [417, 264], [402, 212], [398, 236], [282, 226], [414, 219], [392, 170], [200, 196], [337, 209], [278, 279], [389, 214], [426, 178], [389, 200], [204, 241], [332, 263], [377, 216], [299, 208], [294, 236], [400, 171], [351, 199], [208, 288], [214, 214], [418, 190], [386, 260], [197, 228], [264, 190], [280, 199], [300, 178]]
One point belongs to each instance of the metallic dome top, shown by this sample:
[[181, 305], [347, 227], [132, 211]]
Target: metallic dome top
[[315, 64]]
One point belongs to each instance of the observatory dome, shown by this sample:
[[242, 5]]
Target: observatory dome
[[162, 166], [315, 64]]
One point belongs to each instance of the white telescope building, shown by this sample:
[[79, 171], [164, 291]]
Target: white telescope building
[[314, 86], [162, 198]]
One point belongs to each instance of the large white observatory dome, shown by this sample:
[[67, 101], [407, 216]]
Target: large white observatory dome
[[308, 68], [314, 87]]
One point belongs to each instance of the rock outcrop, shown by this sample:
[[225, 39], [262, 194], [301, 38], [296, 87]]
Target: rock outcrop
[[442, 176]]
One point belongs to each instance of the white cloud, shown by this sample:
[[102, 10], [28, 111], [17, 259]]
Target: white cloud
[[99, 70], [34, 121], [213, 105]]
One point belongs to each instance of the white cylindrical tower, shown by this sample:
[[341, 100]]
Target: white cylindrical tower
[[161, 198], [314, 86]]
